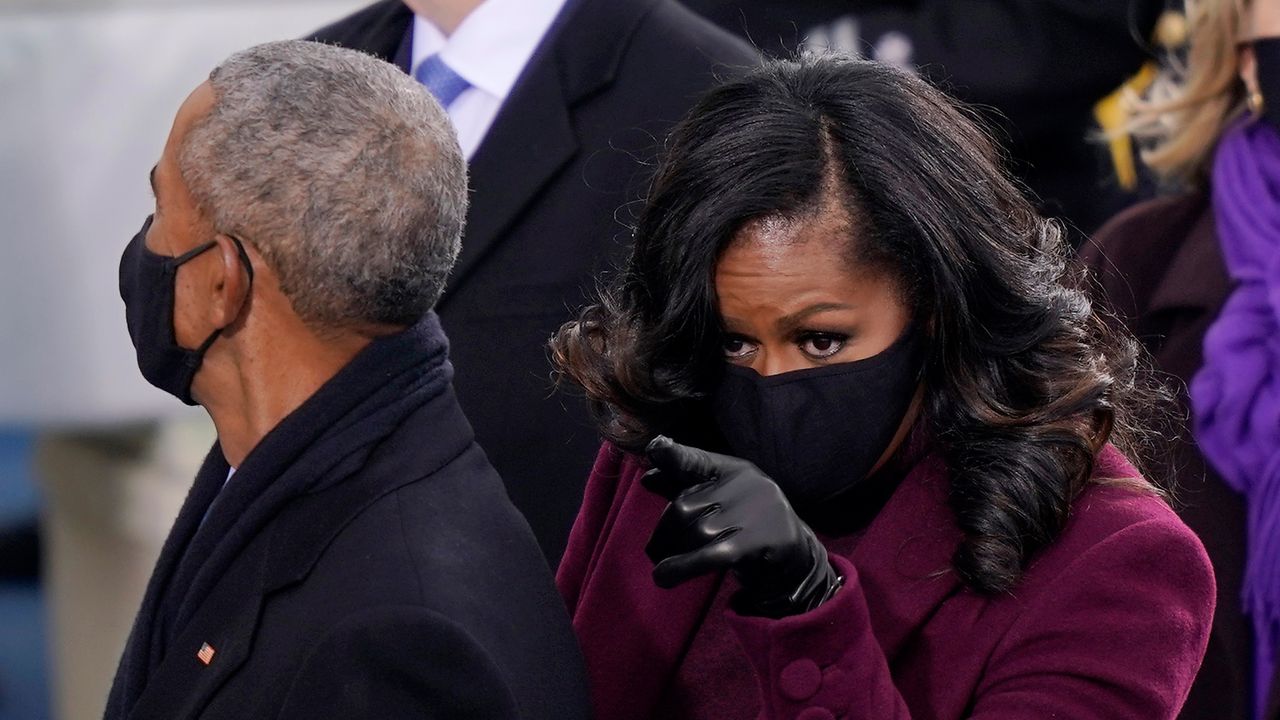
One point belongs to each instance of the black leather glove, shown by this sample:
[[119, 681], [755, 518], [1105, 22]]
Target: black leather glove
[[726, 514]]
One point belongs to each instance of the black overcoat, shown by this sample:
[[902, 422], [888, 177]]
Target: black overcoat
[[362, 562]]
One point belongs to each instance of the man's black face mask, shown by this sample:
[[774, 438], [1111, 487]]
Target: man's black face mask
[[147, 286]]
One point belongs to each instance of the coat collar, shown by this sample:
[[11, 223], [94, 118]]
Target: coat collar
[[1197, 256], [1145, 258], [285, 552], [904, 560], [305, 527]]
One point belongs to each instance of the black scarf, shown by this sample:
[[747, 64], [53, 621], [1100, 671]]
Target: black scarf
[[321, 443]]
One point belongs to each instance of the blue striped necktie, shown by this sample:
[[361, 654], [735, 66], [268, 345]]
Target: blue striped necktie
[[440, 79]]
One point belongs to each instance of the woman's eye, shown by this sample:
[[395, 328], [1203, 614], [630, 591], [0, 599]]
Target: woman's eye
[[736, 347], [821, 345]]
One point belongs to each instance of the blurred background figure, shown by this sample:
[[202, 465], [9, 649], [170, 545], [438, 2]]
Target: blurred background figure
[[1034, 68], [558, 104], [88, 90], [1196, 274]]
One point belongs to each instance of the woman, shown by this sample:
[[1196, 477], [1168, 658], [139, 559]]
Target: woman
[[1190, 273], [865, 450]]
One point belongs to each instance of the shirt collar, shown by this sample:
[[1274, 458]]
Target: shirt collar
[[492, 45]]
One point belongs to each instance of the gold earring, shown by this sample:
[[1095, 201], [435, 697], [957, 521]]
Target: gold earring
[[1255, 103]]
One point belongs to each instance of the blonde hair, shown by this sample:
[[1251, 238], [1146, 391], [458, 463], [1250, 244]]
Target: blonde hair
[[1190, 104]]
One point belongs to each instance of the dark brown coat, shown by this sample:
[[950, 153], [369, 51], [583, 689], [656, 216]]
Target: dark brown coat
[[1161, 272]]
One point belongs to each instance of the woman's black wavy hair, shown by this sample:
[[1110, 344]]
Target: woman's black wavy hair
[[1024, 381]]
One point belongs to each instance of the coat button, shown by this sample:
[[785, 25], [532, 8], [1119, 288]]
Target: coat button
[[800, 680], [816, 713]]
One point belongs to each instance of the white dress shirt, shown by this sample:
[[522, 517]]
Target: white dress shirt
[[489, 50]]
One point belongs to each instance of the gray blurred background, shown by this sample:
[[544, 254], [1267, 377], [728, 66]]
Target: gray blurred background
[[87, 92]]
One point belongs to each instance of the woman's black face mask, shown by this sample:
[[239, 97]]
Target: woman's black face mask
[[817, 432], [147, 286]]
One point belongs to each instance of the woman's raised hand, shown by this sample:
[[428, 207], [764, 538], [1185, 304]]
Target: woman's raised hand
[[726, 514]]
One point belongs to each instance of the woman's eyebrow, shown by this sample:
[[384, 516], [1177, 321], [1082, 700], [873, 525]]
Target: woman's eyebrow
[[792, 321], [732, 324]]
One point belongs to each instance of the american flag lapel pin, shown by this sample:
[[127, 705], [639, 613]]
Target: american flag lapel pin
[[205, 653]]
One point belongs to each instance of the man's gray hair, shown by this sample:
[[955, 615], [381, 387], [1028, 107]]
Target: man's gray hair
[[343, 172]]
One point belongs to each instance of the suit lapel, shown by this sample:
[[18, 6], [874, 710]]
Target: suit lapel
[[533, 137], [137, 660], [530, 141], [212, 646]]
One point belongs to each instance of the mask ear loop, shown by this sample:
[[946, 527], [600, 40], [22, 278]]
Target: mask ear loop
[[244, 257], [191, 363], [191, 254]]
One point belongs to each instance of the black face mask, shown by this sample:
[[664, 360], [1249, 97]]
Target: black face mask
[[148, 290], [818, 432], [1267, 53]]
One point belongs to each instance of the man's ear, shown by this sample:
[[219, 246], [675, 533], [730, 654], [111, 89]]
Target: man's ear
[[232, 284]]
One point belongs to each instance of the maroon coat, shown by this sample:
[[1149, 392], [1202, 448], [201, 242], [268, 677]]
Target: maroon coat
[[1109, 622]]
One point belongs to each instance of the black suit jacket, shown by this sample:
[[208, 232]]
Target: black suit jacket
[[551, 184], [378, 572]]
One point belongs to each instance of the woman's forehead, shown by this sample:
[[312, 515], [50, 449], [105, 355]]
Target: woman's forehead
[[776, 243]]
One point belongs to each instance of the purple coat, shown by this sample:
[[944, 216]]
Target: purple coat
[[1110, 621]]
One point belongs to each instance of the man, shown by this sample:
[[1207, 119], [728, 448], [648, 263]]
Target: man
[[346, 550], [113, 456], [559, 104]]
